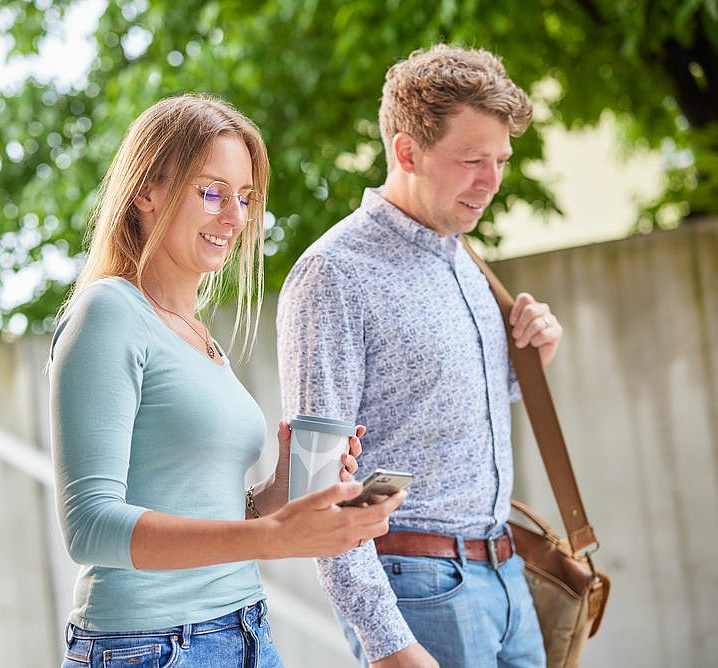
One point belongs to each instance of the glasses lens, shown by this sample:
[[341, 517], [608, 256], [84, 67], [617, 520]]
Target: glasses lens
[[216, 197], [218, 194]]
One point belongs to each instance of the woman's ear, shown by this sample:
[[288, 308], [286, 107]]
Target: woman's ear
[[143, 200], [405, 151]]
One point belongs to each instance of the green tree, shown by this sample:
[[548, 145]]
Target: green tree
[[310, 74]]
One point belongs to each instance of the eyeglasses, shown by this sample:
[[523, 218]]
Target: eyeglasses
[[217, 195]]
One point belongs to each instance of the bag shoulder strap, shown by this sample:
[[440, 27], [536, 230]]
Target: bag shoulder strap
[[544, 420]]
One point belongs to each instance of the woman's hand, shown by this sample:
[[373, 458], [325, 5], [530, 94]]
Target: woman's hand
[[311, 526], [316, 526], [272, 493]]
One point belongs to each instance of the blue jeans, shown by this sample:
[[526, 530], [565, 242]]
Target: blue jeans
[[465, 613], [241, 639]]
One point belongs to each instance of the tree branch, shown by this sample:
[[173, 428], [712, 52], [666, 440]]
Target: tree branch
[[699, 103], [594, 13]]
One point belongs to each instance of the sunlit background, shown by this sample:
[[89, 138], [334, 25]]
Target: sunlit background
[[635, 380], [598, 188]]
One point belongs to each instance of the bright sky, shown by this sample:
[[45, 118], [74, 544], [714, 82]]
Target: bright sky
[[595, 188], [65, 55]]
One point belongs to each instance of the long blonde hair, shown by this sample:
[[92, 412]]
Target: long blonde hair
[[172, 140]]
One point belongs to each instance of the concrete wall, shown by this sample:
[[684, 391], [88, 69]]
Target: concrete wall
[[635, 384], [30, 605], [636, 388]]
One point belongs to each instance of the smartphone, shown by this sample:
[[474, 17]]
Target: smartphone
[[379, 485]]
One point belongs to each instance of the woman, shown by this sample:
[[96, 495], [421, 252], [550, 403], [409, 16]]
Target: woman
[[152, 433]]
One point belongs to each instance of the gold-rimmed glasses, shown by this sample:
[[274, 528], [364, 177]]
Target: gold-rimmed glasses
[[217, 196]]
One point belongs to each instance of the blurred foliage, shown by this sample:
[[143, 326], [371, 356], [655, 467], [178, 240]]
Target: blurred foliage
[[310, 74]]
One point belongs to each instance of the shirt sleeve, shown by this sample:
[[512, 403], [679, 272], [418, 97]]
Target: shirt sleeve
[[321, 353], [320, 342], [95, 388]]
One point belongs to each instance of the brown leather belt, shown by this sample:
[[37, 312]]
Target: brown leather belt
[[419, 544]]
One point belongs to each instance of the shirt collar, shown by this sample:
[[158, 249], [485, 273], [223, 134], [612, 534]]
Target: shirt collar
[[414, 232]]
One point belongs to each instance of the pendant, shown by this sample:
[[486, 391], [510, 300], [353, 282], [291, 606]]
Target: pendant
[[210, 350]]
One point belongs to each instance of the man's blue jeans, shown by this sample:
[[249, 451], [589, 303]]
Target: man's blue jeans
[[465, 613], [241, 639]]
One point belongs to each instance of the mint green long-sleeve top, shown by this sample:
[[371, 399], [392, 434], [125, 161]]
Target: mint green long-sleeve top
[[141, 420]]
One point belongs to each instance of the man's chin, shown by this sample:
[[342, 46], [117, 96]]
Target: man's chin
[[469, 218], [470, 225]]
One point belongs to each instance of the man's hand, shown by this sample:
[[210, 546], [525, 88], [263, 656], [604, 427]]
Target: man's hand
[[413, 656], [533, 323]]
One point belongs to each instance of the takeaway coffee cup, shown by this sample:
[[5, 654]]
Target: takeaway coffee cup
[[316, 452]]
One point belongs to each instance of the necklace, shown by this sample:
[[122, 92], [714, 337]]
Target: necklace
[[210, 348]]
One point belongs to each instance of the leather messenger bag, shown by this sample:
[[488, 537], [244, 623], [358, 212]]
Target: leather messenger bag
[[569, 594]]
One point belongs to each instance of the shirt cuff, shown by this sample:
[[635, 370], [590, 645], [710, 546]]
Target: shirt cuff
[[373, 635]]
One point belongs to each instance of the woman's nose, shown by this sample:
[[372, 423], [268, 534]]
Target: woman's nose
[[236, 213]]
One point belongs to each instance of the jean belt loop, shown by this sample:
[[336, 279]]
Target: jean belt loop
[[261, 611], [69, 633], [461, 551], [243, 623], [186, 635], [510, 534]]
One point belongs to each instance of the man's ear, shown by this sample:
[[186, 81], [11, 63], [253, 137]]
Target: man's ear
[[143, 200], [405, 151]]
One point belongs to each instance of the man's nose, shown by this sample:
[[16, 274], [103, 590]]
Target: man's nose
[[489, 177]]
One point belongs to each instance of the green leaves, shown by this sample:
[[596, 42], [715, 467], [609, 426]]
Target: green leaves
[[310, 74]]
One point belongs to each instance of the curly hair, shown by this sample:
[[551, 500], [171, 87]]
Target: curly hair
[[421, 92]]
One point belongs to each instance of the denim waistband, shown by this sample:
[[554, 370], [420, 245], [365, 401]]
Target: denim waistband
[[238, 618]]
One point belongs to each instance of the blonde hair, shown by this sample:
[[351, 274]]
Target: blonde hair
[[170, 141], [421, 92]]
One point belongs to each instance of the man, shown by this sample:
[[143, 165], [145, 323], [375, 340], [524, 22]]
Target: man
[[386, 321]]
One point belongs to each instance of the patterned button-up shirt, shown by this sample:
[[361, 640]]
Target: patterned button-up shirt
[[383, 323]]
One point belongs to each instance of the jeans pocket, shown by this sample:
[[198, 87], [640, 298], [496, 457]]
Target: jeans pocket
[[143, 656], [125, 651], [422, 580]]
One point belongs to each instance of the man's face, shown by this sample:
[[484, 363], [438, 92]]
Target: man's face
[[456, 179]]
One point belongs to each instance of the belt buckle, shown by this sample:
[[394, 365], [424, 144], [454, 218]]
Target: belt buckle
[[493, 551]]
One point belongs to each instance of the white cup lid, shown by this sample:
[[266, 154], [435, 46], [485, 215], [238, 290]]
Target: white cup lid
[[322, 424]]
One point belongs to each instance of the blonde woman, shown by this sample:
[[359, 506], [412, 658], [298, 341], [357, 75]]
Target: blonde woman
[[152, 433]]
